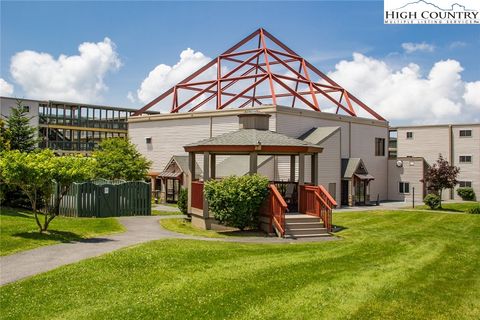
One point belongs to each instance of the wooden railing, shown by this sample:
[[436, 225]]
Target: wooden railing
[[275, 208], [197, 194], [316, 201]]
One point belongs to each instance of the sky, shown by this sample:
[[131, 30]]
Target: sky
[[127, 53]]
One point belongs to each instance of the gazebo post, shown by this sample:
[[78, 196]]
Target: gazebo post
[[213, 166], [314, 169], [301, 169], [253, 163], [292, 168], [190, 178], [206, 177]]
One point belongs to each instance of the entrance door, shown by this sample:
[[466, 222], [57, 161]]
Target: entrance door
[[344, 192], [360, 191]]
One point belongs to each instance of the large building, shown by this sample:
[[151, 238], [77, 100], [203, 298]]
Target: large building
[[413, 148], [69, 127], [362, 161]]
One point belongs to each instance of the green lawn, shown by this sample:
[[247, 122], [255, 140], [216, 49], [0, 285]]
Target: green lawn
[[389, 265], [164, 213], [18, 230], [182, 226], [455, 207]]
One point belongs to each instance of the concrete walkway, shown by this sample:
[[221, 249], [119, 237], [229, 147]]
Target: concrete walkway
[[139, 229], [162, 207]]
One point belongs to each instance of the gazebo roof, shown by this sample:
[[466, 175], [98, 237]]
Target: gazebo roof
[[250, 140]]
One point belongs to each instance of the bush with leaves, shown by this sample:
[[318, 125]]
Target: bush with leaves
[[467, 194], [118, 158], [474, 210], [182, 202], [235, 201], [432, 200], [35, 173]]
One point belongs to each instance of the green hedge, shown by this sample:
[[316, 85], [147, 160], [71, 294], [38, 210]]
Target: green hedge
[[235, 201], [182, 202], [467, 194]]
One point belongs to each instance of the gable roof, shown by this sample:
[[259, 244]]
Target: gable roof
[[352, 166], [318, 135]]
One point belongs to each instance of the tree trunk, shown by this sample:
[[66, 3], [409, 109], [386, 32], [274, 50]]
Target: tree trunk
[[441, 191]]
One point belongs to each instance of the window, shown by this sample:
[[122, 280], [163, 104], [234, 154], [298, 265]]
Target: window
[[465, 133], [465, 159], [379, 146], [404, 187], [26, 108], [409, 135], [148, 140], [464, 184]]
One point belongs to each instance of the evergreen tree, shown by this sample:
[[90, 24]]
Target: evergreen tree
[[20, 134], [4, 142]]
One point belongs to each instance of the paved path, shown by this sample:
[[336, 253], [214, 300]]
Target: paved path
[[162, 207], [139, 229]]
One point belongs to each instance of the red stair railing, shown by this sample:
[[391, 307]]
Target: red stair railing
[[316, 201], [275, 208]]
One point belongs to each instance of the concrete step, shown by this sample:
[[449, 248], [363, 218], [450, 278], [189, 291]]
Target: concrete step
[[301, 236], [303, 225], [300, 218], [306, 231]]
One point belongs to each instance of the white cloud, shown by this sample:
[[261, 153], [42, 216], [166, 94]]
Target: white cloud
[[405, 95], [76, 78], [131, 97], [6, 89], [472, 94], [457, 44], [411, 47], [163, 77]]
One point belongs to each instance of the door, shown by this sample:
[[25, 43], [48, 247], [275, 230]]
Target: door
[[360, 187], [107, 196], [344, 192]]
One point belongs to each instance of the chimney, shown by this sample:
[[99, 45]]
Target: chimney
[[254, 120]]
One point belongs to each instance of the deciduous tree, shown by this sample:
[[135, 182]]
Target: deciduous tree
[[118, 158], [39, 174], [441, 175]]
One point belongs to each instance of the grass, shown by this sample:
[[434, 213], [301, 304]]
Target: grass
[[454, 207], [389, 265], [164, 213], [18, 230], [185, 227]]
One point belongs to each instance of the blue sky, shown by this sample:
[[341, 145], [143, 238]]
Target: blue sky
[[147, 34]]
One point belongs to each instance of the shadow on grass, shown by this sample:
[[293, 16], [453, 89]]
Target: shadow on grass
[[16, 213], [244, 233], [62, 236], [337, 229]]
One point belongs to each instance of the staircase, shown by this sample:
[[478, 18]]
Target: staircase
[[298, 225]]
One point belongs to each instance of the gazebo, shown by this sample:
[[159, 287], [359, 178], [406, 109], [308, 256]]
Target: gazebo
[[254, 139]]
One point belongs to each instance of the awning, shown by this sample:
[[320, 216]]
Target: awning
[[172, 175], [364, 176]]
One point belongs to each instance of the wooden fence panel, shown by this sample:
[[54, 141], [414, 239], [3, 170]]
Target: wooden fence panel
[[103, 198]]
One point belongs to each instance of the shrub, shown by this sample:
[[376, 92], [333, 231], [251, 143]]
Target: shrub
[[182, 202], [467, 194], [474, 210], [235, 201], [432, 200]]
